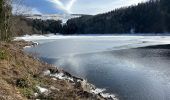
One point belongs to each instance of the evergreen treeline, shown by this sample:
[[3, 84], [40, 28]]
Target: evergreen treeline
[[165, 7], [45, 26], [150, 17]]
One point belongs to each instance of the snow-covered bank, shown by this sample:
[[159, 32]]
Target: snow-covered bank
[[122, 42], [78, 82]]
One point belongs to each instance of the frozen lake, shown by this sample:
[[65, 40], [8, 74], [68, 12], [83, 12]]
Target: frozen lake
[[111, 62]]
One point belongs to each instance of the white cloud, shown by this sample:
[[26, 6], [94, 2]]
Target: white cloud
[[101, 6], [61, 5], [58, 5], [70, 4], [35, 11]]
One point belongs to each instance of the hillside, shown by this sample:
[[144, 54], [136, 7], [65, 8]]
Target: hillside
[[150, 17], [62, 17]]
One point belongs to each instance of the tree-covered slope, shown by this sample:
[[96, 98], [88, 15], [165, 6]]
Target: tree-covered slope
[[149, 17]]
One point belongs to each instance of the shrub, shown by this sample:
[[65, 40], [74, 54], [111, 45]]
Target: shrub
[[3, 55], [27, 92], [21, 83]]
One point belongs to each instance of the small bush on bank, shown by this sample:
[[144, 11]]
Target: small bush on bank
[[27, 92], [22, 83], [3, 55]]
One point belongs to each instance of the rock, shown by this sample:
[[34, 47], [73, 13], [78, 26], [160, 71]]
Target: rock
[[84, 94], [67, 74], [53, 70]]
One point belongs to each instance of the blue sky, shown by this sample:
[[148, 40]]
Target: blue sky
[[76, 6]]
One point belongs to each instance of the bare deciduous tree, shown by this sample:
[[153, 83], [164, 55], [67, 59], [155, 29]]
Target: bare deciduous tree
[[19, 8], [5, 15]]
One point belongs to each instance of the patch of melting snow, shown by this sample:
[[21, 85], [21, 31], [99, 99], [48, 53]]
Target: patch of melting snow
[[27, 47], [108, 95], [54, 79], [35, 94], [62, 76], [34, 44], [97, 90], [41, 89], [47, 72], [92, 89], [105, 95], [53, 88], [124, 41], [85, 85]]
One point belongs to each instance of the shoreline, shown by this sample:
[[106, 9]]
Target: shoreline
[[90, 88], [163, 46], [87, 87], [82, 89]]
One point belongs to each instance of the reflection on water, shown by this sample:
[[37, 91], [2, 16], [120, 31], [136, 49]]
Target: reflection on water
[[134, 74]]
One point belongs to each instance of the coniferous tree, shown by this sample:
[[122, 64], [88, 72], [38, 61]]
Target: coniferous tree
[[165, 7]]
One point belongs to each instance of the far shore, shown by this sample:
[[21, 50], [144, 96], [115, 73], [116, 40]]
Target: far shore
[[163, 46]]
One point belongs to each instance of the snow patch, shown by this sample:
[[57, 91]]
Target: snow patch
[[92, 89], [27, 47], [125, 42], [103, 94], [47, 72], [107, 95], [97, 90], [35, 94], [42, 90], [54, 79], [85, 85], [62, 76], [34, 44]]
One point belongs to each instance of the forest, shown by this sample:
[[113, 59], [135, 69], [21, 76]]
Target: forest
[[37, 26], [150, 17]]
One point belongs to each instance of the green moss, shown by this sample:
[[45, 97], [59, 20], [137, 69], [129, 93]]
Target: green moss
[[3, 55], [28, 86], [27, 92], [34, 83]]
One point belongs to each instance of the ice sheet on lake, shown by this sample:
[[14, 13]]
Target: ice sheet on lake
[[120, 42]]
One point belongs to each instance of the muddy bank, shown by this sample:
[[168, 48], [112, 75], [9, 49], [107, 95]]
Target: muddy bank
[[24, 77]]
